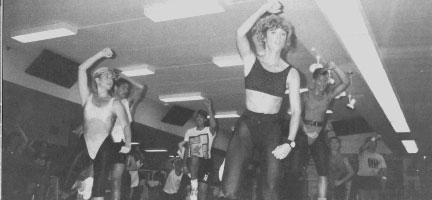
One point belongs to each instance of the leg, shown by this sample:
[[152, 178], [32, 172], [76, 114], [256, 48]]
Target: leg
[[202, 191], [270, 165], [238, 154], [320, 152], [117, 174], [101, 169]]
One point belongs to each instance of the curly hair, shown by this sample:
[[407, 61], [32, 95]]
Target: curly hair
[[273, 21]]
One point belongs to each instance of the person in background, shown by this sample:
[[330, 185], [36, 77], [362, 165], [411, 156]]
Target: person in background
[[340, 172], [129, 97], [268, 76], [134, 163], [199, 141], [372, 170], [313, 137], [172, 183]]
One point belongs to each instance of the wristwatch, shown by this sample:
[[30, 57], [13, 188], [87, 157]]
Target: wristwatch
[[291, 143]]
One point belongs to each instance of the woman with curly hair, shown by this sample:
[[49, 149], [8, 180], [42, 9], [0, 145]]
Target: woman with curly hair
[[267, 76]]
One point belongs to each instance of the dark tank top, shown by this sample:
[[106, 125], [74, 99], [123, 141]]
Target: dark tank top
[[261, 80]]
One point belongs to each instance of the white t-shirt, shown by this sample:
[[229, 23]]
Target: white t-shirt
[[370, 164], [117, 131], [201, 142], [172, 183]]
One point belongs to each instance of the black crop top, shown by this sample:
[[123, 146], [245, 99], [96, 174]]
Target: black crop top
[[259, 79]]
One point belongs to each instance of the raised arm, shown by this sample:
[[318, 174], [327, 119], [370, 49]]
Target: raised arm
[[345, 81], [243, 45], [120, 112], [82, 72], [137, 96], [212, 119]]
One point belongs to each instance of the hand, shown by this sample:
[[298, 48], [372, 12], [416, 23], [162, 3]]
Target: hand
[[282, 151], [107, 53], [125, 149], [337, 183], [139, 164], [331, 65], [208, 103], [273, 6]]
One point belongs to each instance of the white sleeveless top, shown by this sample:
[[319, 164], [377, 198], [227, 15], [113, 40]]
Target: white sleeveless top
[[97, 124], [117, 132]]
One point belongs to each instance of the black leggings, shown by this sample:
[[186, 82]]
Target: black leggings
[[260, 132], [101, 166], [318, 150]]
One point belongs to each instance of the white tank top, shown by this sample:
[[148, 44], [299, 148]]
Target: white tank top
[[97, 124], [117, 132]]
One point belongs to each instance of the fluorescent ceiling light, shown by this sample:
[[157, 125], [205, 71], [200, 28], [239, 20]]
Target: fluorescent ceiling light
[[134, 143], [227, 114], [181, 97], [45, 32], [301, 90], [155, 150], [138, 70], [178, 9], [227, 61], [410, 146], [346, 18]]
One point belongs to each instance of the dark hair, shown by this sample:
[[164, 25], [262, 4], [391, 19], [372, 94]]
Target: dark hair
[[202, 113], [273, 21], [336, 138], [122, 81], [319, 72]]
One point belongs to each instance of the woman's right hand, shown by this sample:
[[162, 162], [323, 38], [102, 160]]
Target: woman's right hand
[[273, 6], [107, 53]]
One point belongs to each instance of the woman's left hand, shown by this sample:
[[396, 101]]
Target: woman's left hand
[[282, 151], [125, 149]]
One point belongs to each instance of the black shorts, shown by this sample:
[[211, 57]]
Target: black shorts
[[205, 170], [119, 157], [368, 182], [318, 150]]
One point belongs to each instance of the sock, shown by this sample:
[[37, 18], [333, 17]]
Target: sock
[[194, 184], [322, 198]]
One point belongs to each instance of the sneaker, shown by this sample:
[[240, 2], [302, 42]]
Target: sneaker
[[194, 194]]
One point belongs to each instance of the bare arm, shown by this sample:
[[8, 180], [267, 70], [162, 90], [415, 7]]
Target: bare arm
[[136, 98], [82, 72], [293, 84], [348, 176], [345, 81], [242, 42], [120, 111], [212, 119]]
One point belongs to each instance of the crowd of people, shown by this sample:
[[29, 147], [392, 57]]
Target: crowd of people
[[103, 153]]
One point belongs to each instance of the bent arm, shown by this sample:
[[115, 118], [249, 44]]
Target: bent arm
[[242, 42], [345, 81], [136, 99], [212, 119], [82, 72]]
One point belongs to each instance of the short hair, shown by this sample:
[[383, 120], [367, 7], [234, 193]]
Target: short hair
[[319, 72], [273, 21], [202, 113]]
